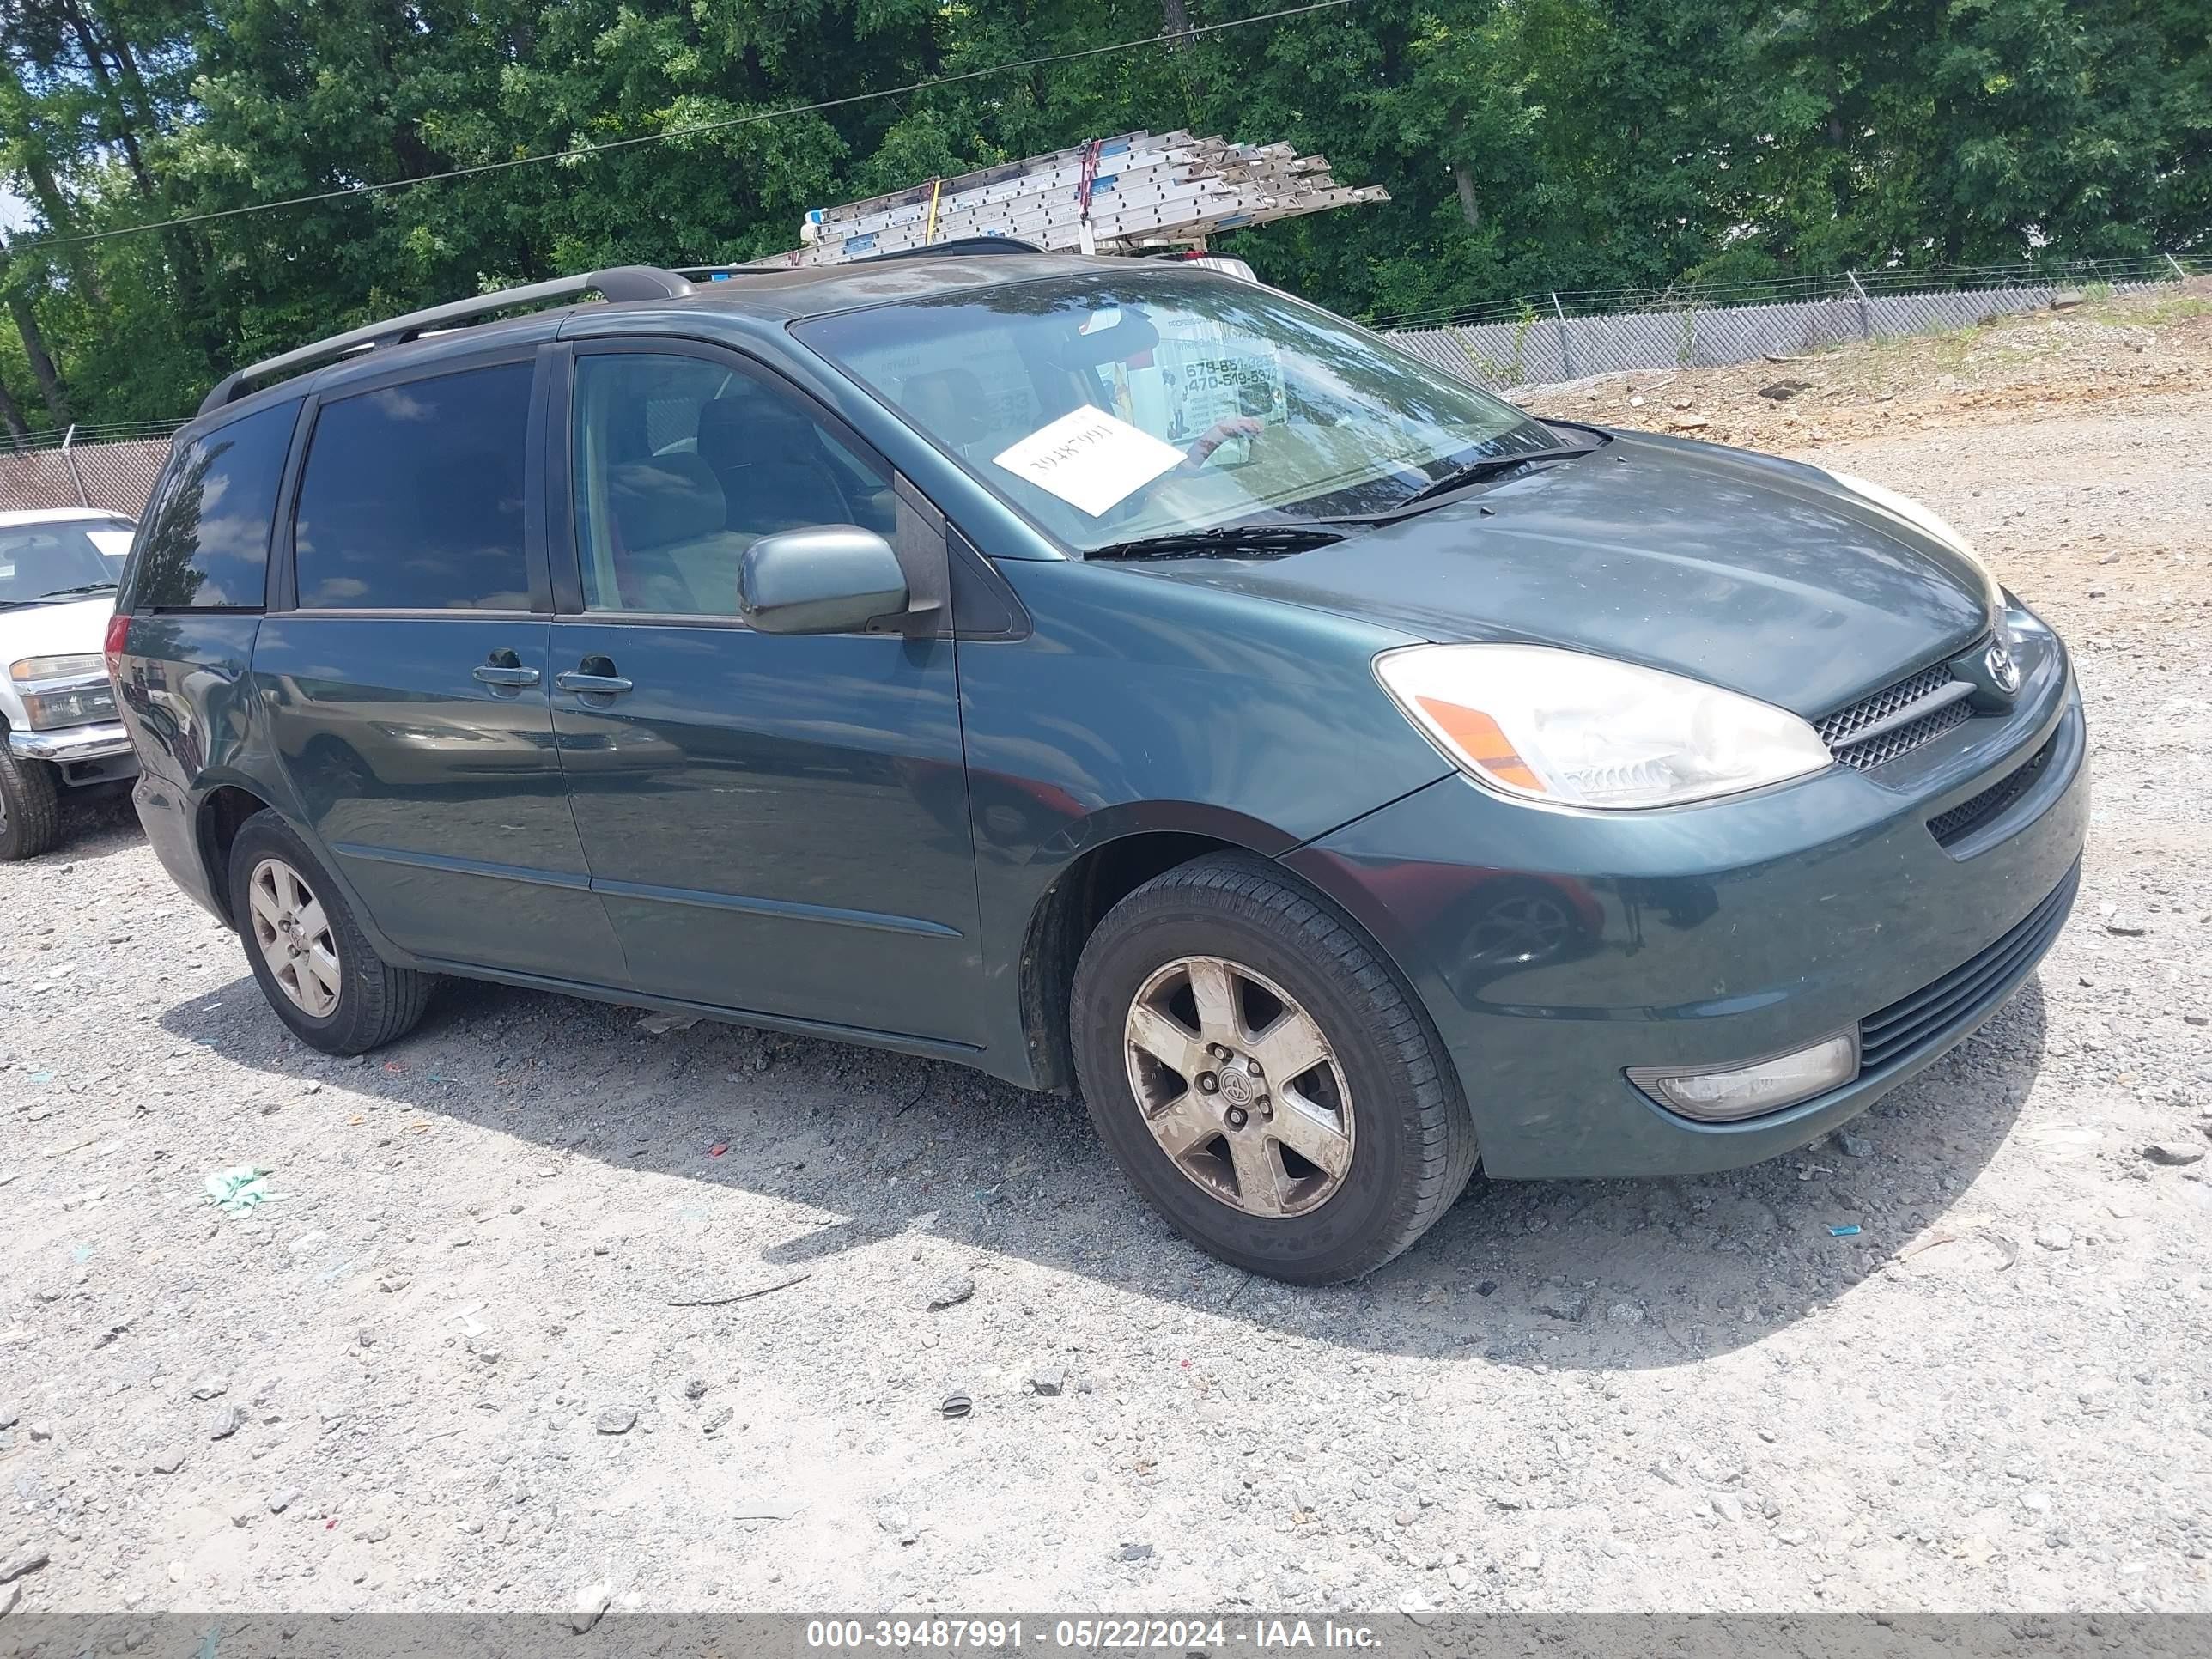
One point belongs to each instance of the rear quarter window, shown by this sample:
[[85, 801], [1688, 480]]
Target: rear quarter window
[[205, 542]]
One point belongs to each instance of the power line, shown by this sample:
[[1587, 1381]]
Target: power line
[[582, 151]]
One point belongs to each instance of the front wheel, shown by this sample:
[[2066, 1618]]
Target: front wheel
[[30, 807], [1262, 1076], [315, 964]]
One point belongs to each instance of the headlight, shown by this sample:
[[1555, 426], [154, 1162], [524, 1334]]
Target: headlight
[[64, 704], [27, 670], [50, 711], [1582, 731], [1930, 523]]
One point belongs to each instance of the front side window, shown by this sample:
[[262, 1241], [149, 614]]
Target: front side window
[[59, 560], [1112, 407], [681, 464], [206, 538], [412, 497]]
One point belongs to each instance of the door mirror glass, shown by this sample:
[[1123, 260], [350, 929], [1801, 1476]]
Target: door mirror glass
[[831, 578]]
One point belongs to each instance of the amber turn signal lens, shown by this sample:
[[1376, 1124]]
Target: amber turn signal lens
[[1482, 739]]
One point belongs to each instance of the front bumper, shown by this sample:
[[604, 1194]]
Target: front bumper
[[72, 744], [1713, 935]]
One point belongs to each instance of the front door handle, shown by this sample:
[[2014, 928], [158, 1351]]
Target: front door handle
[[496, 674], [588, 684]]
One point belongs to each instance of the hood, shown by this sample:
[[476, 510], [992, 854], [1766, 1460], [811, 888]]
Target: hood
[[1759, 575], [55, 630]]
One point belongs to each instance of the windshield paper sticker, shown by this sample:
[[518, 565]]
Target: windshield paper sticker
[[1091, 460]]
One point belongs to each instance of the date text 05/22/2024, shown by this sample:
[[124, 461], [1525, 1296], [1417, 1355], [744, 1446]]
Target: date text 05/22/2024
[[1109, 1634]]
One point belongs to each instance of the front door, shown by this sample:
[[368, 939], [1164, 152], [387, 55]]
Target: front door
[[406, 677], [776, 823]]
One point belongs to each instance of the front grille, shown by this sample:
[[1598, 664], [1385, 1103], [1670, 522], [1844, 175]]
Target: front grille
[[1862, 736], [1938, 1014], [1970, 814], [1901, 739]]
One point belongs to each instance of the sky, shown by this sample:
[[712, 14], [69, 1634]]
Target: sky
[[14, 211]]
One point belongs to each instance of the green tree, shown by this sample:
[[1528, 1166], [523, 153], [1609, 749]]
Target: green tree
[[1528, 145]]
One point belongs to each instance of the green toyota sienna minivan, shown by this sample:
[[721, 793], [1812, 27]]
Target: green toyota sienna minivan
[[1115, 676]]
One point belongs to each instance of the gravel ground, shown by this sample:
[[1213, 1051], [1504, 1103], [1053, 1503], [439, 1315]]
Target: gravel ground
[[482, 1348]]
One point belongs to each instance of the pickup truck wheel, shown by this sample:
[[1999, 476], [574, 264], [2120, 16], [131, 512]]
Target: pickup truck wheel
[[30, 808], [314, 962], [1263, 1077]]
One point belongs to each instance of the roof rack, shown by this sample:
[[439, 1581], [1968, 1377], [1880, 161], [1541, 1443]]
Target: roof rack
[[958, 246], [619, 282]]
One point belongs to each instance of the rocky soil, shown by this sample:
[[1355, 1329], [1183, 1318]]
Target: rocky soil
[[547, 1301]]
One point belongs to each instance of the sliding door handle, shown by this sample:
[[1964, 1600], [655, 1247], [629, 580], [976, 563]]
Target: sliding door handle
[[588, 684], [493, 674]]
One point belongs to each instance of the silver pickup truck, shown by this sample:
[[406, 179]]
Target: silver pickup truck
[[58, 573]]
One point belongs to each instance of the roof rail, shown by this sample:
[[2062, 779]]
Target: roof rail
[[619, 282]]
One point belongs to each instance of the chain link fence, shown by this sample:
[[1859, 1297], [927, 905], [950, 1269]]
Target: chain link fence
[[113, 472], [1568, 337]]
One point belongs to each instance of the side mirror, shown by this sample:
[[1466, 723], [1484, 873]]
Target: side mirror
[[828, 578]]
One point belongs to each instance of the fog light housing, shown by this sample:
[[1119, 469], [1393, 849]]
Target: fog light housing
[[1723, 1094]]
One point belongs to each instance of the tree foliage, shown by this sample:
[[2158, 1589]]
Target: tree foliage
[[1528, 145]]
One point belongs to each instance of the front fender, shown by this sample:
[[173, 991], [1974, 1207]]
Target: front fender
[[1141, 706]]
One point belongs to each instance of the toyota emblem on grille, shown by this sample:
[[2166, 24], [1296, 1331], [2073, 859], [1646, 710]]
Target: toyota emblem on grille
[[2004, 672]]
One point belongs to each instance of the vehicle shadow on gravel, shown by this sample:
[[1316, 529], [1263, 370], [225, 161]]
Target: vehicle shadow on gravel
[[95, 824], [1602, 1275]]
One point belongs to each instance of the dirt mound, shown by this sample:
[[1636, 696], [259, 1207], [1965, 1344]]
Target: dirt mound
[[2151, 349]]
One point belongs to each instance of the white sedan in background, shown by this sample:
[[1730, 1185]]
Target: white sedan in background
[[58, 568]]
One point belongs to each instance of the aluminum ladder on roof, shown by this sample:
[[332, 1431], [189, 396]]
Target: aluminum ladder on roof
[[1135, 190]]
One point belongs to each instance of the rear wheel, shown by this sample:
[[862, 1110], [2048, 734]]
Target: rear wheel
[[314, 962], [1259, 1073], [30, 808]]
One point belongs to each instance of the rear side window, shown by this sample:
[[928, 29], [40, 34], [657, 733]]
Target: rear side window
[[206, 540], [412, 497]]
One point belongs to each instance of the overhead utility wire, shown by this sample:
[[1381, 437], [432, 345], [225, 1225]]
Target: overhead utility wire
[[583, 151]]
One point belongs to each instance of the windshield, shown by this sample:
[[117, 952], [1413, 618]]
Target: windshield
[[68, 558], [1112, 407]]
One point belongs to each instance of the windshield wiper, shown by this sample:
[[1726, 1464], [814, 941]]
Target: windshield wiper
[[72, 593], [1223, 540], [1490, 466]]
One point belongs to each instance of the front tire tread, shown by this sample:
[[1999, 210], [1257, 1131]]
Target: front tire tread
[[33, 802], [1441, 1150]]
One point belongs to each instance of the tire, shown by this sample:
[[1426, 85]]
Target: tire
[[372, 1003], [30, 807], [1388, 1100]]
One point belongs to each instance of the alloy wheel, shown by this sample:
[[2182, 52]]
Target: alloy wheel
[[295, 937], [1240, 1087]]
